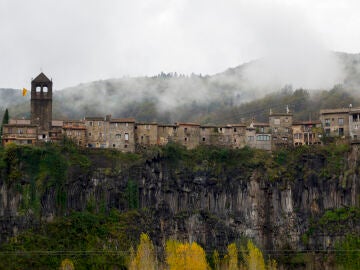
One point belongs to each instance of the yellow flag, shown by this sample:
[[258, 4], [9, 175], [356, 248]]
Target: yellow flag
[[24, 92]]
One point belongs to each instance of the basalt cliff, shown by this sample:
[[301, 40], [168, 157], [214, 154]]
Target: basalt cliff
[[296, 200]]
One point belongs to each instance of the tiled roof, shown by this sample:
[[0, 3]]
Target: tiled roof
[[41, 78], [187, 124], [330, 111], [123, 120]]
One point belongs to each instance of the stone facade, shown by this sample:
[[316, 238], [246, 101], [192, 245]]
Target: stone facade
[[97, 128], [335, 122], [19, 134], [187, 134], [122, 134], [354, 125], [146, 134], [41, 103], [306, 132], [166, 134], [258, 135], [76, 131], [281, 129]]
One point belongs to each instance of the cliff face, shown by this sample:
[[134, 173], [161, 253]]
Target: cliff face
[[276, 200]]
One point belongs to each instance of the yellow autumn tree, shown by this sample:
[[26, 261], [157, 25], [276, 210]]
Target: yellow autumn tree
[[232, 257], [144, 259], [66, 264], [254, 258], [185, 256], [216, 260], [271, 264]]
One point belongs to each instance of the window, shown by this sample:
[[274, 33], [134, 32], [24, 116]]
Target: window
[[262, 129], [90, 123], [89, 134], [203, 139], [327, 131], [113, 145], [327, 122], [263, 138], [234, 129], [251, 138], [341, 121], [298, 136], [45, 89], [127, 124], [125, 146], [126, 136], [185, 129], [341, 131], [276, 121], [284, 138], [118, 136], [38, 89], [185, 139]]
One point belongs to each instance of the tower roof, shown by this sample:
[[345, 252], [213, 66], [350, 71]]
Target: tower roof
[[41, 78]]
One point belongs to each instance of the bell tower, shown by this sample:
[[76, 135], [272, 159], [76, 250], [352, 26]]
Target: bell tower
[[41, 102]]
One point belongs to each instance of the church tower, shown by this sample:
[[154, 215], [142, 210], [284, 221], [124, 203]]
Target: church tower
[[41, 102]]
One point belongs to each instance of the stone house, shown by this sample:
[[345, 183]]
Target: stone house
[[146, 134], [281, 129], [166, 134], [121, 134], [354, 124], [19, 133], [187, 134], [76, 131], [258, 136], [207, 134], [306, 132], [97, 132], [238, 135], [335, 122]]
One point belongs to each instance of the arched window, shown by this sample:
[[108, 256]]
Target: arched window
[[45, 89], [38, 89]]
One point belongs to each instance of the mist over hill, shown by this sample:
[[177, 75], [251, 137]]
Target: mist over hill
[[223, 97]]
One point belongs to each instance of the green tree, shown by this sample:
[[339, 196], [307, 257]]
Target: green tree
[[5, 121], [347, 252], [132, 194]]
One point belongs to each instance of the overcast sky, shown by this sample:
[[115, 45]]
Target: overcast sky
[[76, 41]]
